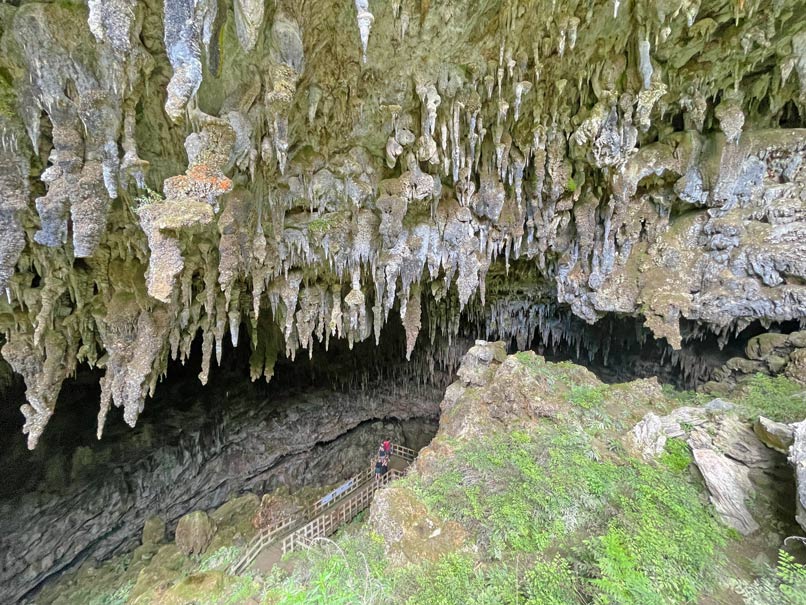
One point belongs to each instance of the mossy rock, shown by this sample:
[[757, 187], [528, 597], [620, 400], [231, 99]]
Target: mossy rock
[[194, 532], [763, 345], [153, 531], [233, 521]]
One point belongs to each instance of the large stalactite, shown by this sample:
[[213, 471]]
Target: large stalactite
[[308, 168]]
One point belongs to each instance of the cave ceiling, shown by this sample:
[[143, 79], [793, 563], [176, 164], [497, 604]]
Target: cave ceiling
[[305, 168]]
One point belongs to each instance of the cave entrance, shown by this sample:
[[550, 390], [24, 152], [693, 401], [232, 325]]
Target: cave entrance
[[336, 398]]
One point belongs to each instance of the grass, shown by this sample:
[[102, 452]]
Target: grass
[[587, 397], [555, 524], [648, 538], [776, 398], [349, 571]]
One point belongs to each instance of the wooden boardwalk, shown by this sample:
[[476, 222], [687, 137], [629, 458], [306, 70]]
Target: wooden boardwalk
[[322, 518]]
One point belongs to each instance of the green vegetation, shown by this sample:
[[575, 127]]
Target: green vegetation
[[784, 585], [681, 398], [648, 539], [677, 455], [587, 397], [8, 98], [220, 559], [318, 227], [777, 398], [557, 513]]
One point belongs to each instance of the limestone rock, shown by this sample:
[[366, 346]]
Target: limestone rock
[[797, 458], [648, 437], [729, 486], [775, 435], [719, 405], [735, 439], [194, 532], [409, 533], [762, 346], [478, 365], [796, 368], [494, 388]]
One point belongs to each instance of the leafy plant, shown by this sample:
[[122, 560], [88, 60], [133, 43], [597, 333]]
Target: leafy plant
[[221, 559], [586, 397], [784, 585], [149, 196], [552, 583], [676, 455]]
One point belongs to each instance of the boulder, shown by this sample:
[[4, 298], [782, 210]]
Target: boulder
[[797, 458], [687, 416], [194, 533], [775, 435], [798, 339], [763, 345], [163, 568], [153, 531], [719, 405], [734, 438], [776, 363], [729, 486], [409, 533], [476, 365], [513, 393], [796, 368], [746, 366], [647, 438]]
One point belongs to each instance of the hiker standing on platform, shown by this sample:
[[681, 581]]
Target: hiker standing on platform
[[387, 446]]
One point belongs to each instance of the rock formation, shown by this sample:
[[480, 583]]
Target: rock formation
[[305, 170], [194, 532]]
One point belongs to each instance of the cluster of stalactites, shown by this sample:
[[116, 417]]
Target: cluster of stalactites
[[481, 169]]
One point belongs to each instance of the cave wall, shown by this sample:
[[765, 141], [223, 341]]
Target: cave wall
[[307, 169]]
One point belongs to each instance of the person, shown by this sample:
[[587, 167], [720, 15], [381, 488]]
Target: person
[[387, 446], [382, 452], [378, 469]]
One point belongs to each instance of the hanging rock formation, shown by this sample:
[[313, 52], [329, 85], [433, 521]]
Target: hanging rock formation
[[182, 167]]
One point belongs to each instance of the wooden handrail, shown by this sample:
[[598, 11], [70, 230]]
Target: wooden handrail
[[323, 518]]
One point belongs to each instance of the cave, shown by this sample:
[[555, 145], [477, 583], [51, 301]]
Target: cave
[[242, 241], [315, 422]]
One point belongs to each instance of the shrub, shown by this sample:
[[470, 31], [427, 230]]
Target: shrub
[[552, 583]]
